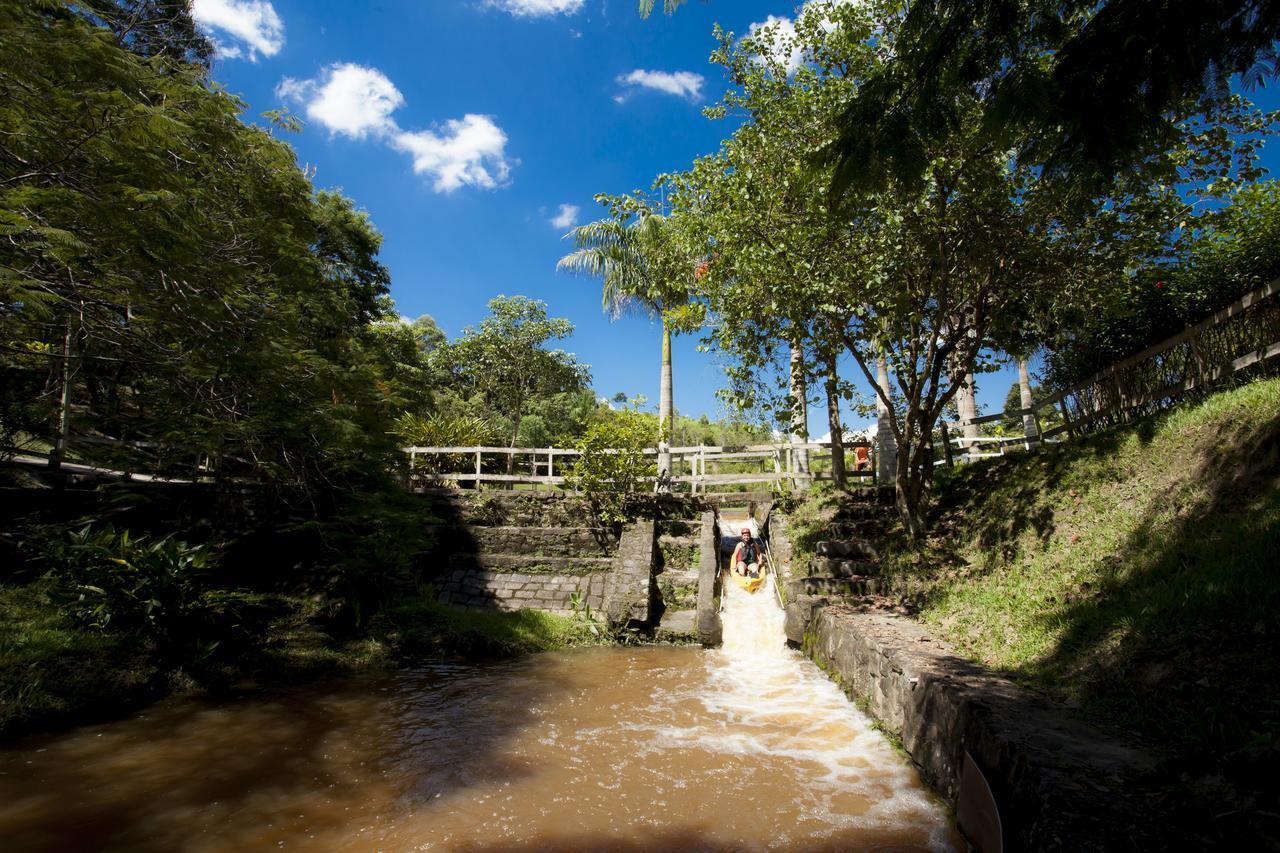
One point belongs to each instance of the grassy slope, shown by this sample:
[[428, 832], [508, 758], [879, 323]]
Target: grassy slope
[[1136, 573]]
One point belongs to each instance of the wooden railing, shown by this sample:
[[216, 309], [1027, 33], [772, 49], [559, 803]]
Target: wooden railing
[[1241, 336], [692, 468]]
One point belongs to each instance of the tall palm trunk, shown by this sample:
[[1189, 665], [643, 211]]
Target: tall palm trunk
[[1030, 428], [833, 420], [886, 442], [666, 423], [799, 409]]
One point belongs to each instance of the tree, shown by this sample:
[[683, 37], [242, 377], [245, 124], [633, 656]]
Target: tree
[[642, 267], [926, 273], [427, 334], [170, 276], [1083, 89], [612, 468], [505, 361]]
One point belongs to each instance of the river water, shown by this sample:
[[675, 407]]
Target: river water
[[749, 747]]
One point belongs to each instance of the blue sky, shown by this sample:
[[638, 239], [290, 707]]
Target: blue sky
[[475, 132]]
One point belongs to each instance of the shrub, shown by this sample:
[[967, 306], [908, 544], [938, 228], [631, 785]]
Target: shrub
[[156, 590], [613, 468]]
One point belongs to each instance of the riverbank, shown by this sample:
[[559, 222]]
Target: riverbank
[[55, 672], [1130, 578], [172, 593]]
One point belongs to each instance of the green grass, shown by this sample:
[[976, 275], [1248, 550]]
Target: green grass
[[51, 669], [420, 625], [1134, 573]]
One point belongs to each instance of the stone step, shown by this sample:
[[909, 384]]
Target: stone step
[[680, 528], [539, 541], [678, 626], [837, 568], [846, 548], [863, 529], [680, 577], [832, 586], [529, 563], [672, 541]]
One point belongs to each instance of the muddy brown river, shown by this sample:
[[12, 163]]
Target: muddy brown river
[[748, 747]]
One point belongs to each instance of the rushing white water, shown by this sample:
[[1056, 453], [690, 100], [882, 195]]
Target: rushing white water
[[771, 701]]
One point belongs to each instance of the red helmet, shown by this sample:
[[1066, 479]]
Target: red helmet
[[746, 530]]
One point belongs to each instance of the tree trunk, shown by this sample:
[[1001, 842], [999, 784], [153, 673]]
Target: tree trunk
[[886, 443], [666, 425], [799, 410], [909, 491], [967, 406], [64, 407], [1030, 428], [833, 420]]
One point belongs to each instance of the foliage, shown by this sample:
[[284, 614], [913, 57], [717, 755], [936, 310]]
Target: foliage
[[155, 590], [172, 268], [1082, 89], [1238, 251], [440, 430], [505, 360], [613, 469]]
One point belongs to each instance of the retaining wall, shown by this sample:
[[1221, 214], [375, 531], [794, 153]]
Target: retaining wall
[[1060, 784], [483, 589]]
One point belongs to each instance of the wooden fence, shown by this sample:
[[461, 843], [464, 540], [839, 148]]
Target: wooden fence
[[1244, 335], [692, 468]]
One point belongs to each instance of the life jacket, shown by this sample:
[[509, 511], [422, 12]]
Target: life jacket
[[748, 552]]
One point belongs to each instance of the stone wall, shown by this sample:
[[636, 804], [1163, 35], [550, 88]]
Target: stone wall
[[489, 590], [530, 541], [629, 590], [1060, 784], [710, 628]]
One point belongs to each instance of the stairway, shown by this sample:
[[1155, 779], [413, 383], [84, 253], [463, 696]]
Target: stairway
[[677, 580], [844, 567]]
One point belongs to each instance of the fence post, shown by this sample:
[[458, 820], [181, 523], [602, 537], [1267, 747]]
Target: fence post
[[946, 444], [477, 469], [551, 468], [1066, 417]]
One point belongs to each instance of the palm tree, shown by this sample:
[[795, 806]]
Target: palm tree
[[640, 272]]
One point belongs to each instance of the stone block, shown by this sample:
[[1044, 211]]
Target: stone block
[[710, 629], [627, 590]]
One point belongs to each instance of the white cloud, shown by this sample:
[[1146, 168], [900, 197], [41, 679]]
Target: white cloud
[[682, 84], [468, 151], [357, 102], [252, 24], [567, 217], [347, 98], [537, 8]]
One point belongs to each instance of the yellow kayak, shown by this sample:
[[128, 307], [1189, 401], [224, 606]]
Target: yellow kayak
[[749, 584]]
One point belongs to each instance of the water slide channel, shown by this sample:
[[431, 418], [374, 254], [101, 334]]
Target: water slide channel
[[747, 747]]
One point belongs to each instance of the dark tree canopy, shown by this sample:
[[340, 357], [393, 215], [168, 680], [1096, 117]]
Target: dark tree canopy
[[1081, 87]]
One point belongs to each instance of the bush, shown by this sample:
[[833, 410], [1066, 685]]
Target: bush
[[613, 468], [154, 590]]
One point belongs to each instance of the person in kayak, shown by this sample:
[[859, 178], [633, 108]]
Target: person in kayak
[[746, 556]]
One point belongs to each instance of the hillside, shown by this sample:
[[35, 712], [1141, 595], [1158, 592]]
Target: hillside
[[1134, 574]]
